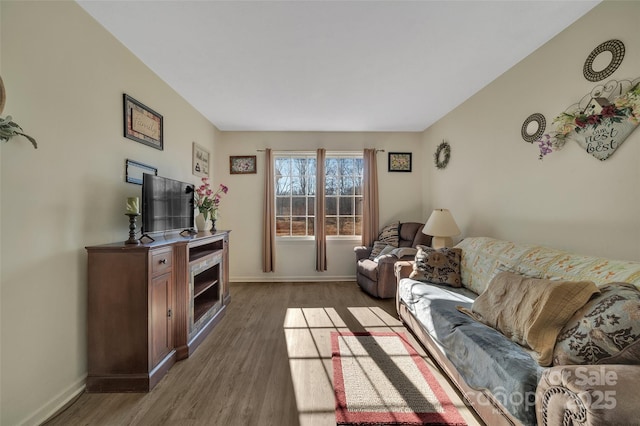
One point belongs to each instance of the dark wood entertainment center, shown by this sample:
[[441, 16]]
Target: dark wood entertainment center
[[152, 304]]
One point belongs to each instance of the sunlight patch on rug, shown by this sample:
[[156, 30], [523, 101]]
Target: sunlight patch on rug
[[380, 379]]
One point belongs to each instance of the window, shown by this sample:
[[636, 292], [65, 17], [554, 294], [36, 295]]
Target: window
[[295, 189], [343, 195], [295, 183]]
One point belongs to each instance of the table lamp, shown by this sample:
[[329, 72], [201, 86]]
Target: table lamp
[[442, 227]]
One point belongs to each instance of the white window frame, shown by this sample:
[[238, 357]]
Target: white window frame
[[313, 154], [339, 154]]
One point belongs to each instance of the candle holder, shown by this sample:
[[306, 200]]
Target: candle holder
[[132, 228]]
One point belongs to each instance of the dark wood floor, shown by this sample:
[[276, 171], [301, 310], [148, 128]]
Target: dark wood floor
[[268, 362]]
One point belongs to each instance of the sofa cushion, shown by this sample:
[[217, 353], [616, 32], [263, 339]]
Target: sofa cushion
[[531, 311], [484, 357], [606, 330], [439, 266], [390, 234]]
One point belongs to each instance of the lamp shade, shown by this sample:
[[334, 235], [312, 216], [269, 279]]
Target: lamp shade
[[441, 226]]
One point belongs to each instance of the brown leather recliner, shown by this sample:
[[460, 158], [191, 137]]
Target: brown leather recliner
[[378, 278]]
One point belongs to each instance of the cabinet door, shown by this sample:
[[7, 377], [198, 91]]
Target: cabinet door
[[160, 316]]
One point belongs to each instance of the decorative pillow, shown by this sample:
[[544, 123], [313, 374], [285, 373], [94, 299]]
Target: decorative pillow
[[390, 234], [378, 246], [604, 331], [386, 250], [530, 311], [441, 266]]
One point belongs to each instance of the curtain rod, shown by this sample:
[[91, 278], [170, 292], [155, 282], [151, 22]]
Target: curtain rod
[[262, 150]]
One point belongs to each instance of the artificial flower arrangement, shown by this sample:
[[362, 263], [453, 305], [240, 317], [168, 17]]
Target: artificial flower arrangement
[[208, 201], [9, 129], [624, 107]]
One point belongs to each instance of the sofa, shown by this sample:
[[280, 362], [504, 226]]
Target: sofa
[[591, 372], [375, 273]]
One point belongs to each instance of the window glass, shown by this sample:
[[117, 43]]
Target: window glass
[[295, 184]]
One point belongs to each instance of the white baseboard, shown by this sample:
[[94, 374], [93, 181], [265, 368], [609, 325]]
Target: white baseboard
[[56, 404], [270, 279]]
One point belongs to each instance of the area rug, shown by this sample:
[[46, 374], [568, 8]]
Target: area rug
[[379, 379]]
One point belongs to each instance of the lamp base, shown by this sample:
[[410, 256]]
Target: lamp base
[[441, 242]]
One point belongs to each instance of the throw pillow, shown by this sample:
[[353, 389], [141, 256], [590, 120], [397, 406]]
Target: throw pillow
[[604, 331], [441, 266], [390, 234], [530, 311], [378, 246]]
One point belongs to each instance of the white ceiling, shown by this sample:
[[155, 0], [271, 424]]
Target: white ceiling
[[331, 65]]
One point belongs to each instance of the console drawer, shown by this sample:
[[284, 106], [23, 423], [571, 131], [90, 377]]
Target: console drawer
[[161, 261]]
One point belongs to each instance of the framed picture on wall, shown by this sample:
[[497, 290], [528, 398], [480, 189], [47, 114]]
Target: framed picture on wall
[[142, 124], [242, 164], [200, 161], [134, 171], [399, 161]]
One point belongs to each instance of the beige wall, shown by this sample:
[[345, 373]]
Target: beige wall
[[65, 76], [495, 185], [295, 261]]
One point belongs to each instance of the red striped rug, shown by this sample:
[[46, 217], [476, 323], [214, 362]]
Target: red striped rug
[[379, 379]]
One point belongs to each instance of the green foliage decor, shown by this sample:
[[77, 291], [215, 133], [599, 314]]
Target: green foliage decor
[[9, 129]]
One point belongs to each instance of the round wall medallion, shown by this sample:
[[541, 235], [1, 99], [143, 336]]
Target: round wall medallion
[[442, 155], [533, 127], [616, 48]]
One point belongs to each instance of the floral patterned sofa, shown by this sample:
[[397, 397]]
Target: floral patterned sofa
[[593, 377]]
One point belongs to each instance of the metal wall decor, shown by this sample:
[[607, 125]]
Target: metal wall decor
[[616, 48], [527, 134], [442, 155], [3, 96]]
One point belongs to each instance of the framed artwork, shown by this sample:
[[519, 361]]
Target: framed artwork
[[400, 162], [134, 171], [142, 124], [242, 164], [200, 161]]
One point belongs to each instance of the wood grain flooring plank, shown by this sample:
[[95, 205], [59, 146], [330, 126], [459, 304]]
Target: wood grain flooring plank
[[267, 363]]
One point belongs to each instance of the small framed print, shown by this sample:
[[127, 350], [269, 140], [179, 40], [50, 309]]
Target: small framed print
[[134, 171], [200, 161], [242, 164], [400, 162]]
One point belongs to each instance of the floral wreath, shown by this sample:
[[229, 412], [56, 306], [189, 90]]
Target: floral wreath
[[577, 119], [443, 148]]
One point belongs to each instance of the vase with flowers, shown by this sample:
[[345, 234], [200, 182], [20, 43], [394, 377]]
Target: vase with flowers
[[208, 202], [599, 126]]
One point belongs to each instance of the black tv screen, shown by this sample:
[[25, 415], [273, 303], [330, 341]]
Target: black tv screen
[[167, 204]]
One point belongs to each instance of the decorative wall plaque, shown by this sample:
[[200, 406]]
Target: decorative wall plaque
[[605, 117]]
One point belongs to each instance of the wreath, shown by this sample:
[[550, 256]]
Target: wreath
[[444, 151]]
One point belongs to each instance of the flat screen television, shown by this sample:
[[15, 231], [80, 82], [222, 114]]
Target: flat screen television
[[167, 204]]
